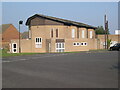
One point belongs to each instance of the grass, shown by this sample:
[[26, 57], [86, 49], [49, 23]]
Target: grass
[[4, 53]]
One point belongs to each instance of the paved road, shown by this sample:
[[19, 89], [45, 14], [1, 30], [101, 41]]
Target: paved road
[[69, 70]]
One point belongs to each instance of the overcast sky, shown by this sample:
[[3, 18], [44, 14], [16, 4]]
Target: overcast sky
[[91, 13]]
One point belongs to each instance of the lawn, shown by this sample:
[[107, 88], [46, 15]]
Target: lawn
[[3, 53]]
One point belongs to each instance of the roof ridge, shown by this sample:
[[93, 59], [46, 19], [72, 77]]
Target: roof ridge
[[4, 27]]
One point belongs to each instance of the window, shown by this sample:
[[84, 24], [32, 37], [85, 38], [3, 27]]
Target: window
[[38, 42], [29, 34], [76, 44], [51, 33], [83, 43], [56, 32], [83, 34], [91, 34], [14, 47], [73, 33], [60, 47]]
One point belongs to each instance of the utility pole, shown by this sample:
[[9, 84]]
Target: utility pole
[[106, 32], [105, 29]]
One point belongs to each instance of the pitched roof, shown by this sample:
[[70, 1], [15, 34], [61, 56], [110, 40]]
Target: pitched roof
[[4, 27], [66, 22]]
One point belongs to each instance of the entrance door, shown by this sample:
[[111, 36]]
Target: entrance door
[[60, 47], [14, 47]]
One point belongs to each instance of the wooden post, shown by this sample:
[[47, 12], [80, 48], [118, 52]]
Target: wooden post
[[105, 29], [107, 33]]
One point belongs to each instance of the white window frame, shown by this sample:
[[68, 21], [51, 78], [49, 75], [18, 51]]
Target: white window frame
[[29, 34], [76, 43], [14, 48], [83, 33], [91, 34], [38, 44], [84, 43], [60, 49], [73, 33]]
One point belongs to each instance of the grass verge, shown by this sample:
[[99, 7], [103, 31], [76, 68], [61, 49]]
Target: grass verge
[[99, 50], [3, 53]]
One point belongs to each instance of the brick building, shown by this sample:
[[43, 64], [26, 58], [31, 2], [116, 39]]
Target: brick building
[[51, 34], [101, 40], [7, 33]]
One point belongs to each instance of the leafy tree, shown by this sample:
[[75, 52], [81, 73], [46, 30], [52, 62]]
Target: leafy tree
[[100, 30]]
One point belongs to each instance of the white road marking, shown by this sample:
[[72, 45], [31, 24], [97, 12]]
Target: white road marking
[[23, 59], [5, 61]]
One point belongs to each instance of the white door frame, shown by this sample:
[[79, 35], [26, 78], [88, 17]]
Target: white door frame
[[60, 48], [14, 48], [49, 47]]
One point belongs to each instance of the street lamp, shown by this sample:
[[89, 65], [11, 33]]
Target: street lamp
[[20, 22]]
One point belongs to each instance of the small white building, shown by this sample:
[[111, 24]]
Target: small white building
[[117, 32]]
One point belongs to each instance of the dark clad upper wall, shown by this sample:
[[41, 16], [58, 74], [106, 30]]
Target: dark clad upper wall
[[39, 19], [42, 21]]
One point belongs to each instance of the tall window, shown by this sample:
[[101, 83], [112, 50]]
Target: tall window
[[83, 34], [73, 33], [56, 32], [91, 34], [38, 42], [51, 33], [77, 32], [87, 33], [29, 34]]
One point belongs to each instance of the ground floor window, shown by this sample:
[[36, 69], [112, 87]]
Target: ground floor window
[[38, 42], [60, 47], [84, 44], [76, 44], [80, 43]]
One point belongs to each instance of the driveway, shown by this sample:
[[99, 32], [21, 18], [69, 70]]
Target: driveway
[[65, 70]]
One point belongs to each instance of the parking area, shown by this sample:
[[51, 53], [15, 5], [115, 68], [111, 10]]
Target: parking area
[[65, 70]]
